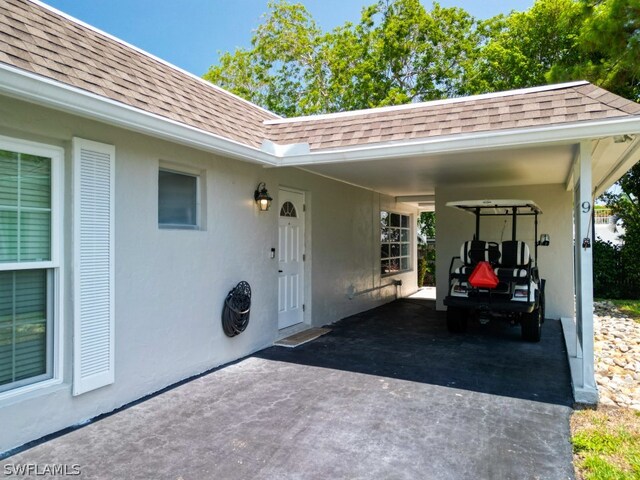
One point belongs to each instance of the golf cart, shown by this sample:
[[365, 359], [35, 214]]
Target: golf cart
[[491, 280]]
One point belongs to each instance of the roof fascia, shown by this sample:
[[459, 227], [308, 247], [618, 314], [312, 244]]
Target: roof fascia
[[50, 93], [529, 136]]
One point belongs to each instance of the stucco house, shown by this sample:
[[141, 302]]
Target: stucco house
[[127, 212]]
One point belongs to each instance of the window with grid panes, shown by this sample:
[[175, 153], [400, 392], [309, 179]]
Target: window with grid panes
[[395, 242], [26, 268]]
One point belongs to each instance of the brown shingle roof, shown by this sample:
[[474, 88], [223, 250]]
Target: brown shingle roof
[[38, 40], [552, 105], [35, 39]]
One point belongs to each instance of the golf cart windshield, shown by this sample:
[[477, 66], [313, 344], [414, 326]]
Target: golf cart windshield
[[497, 207], [503, 207]]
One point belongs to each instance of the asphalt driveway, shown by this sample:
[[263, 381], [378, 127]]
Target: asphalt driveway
[[388, 394]]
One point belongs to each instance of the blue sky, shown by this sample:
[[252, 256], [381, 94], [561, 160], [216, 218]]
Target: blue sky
[[190, 33]]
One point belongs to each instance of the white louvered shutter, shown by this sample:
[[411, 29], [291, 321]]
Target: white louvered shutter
[[93, 356]]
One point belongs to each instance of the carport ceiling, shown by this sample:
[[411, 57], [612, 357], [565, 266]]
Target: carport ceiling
[[486, 168], [414, 178]]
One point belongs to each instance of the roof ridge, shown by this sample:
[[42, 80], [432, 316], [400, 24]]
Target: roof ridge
[[444, 101], [149, 55], [623, 102]]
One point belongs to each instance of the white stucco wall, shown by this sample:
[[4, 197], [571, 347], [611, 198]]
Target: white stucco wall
[[555, 261], [170, 284]]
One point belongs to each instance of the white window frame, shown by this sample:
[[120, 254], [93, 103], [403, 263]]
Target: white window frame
[[55, 266], [188, 172], [409, 256]]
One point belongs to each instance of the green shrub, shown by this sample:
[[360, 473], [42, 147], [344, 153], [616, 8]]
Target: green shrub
[[430, 255], [616, 270], [426, 265], [607, 270]]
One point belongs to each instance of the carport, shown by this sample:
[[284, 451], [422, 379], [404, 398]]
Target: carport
[[122, 306], [560, 145]]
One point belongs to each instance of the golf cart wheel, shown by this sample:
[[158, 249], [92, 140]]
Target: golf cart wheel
[[531, 323], [456, 320]]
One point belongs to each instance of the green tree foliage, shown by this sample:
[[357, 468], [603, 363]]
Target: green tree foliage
[[408, 54], [426, 252], [520, 49], [283, 70], [607, 47], [398, 53], [427, 224]]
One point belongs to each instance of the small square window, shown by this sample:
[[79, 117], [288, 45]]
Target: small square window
[[177, 200]]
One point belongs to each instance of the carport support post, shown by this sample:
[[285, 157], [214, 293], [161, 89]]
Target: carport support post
[[584, 388]]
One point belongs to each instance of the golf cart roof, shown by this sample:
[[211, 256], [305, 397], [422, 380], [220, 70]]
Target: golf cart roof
[[497, 207]]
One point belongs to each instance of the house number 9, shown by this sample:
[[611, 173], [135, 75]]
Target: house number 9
[[586, 207]]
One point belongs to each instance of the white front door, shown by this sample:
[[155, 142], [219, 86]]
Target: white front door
[[290, 258]]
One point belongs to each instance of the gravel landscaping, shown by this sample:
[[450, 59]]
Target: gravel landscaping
[[617, 356]]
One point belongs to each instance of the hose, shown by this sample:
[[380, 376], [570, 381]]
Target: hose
[[237, 306]]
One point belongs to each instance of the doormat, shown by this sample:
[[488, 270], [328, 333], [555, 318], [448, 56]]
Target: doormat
[[302, 337]]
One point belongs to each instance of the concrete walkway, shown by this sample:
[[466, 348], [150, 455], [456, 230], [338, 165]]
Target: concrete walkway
[[425, 293], [389, 394]]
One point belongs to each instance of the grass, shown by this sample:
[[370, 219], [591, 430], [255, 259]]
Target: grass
[[628, 307], [606, 444]]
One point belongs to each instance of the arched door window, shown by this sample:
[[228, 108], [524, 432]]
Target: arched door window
[[288, 210]]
